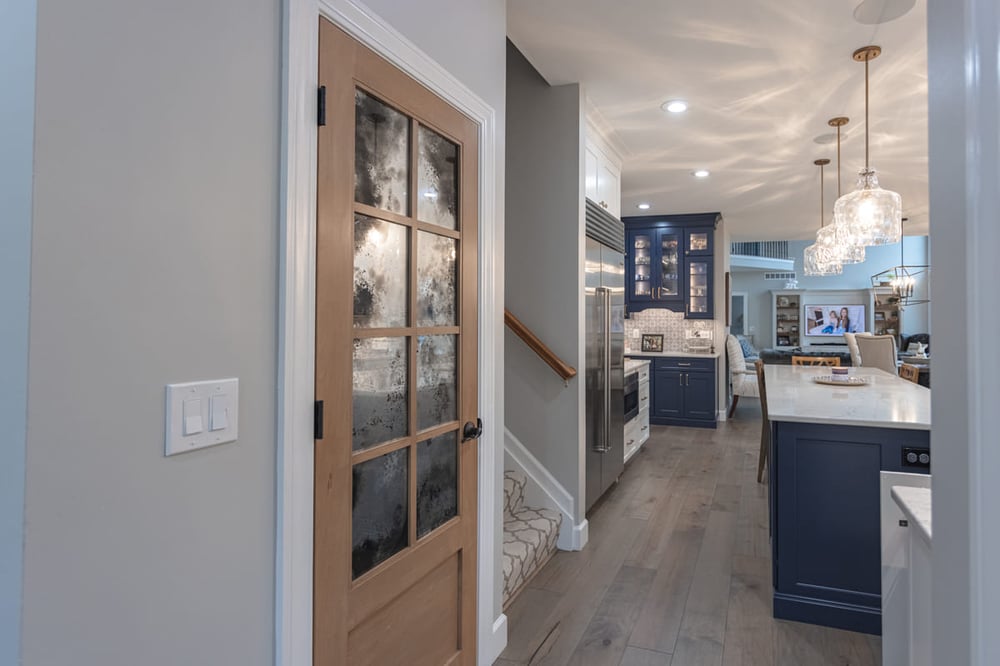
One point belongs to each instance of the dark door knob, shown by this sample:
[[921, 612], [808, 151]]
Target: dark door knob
[[472, 430]]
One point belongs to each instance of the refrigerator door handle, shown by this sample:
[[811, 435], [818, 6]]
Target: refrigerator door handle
[[602, 444], [607, 369]]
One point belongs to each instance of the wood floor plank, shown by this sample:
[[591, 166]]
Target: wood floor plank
[[703, 628], [638, 657], [660, 619], [749, 624], [606, 637], [688, 512], [531, 609]]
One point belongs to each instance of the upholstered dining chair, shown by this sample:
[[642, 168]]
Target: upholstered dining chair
[[831, 361], [765, 426], [909, 372], [743, 380], [878, 351]]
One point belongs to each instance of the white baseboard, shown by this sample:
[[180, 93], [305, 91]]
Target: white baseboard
[[545, 491], [576, 538], [721, 415], [494, 643]]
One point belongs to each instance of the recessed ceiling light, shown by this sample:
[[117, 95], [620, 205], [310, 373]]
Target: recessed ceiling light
[[876, 12], [701, 173], [675, 106], [642, 206]]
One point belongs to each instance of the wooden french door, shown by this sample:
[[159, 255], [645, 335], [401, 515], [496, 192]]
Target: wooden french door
[[396, 367]]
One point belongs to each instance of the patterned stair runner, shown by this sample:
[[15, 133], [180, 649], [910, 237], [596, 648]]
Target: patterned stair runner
[[529, 536]]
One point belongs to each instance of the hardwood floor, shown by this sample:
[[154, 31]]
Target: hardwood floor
[[677, 571]]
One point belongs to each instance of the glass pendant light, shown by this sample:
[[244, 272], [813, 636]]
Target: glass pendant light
[[870, 215], [819, 259], [835, 236]]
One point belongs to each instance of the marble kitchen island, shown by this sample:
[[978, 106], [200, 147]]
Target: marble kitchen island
[[828, 446]]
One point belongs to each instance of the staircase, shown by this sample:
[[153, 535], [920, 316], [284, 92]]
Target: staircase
[[529, 536]]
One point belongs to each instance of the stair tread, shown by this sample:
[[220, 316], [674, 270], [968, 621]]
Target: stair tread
[[529, 538]]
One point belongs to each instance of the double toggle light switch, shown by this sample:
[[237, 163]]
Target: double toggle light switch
[[201, 414]]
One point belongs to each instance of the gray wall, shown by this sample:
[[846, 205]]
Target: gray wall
[[154, 261], [544, 272], [17, 108], [855, 276]]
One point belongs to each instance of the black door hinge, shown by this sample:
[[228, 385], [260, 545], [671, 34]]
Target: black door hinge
[[318, 420], [321, 106]]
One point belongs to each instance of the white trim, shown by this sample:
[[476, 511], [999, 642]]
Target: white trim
[[537, 472], [293, 584], [580, 535], [494, 641], [572, 535]]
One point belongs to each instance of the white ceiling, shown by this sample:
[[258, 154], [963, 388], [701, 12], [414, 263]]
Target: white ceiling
[[762, 78]]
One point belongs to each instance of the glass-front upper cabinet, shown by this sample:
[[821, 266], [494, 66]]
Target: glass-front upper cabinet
[[698, 242], [655, 264], [670, 266], [642, 252], [699, 289]]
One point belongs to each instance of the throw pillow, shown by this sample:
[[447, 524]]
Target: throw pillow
[[748, 349]]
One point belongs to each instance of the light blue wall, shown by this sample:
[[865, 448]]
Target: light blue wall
[[17, 108], [855, 276]]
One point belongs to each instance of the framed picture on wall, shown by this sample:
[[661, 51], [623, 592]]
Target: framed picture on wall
[[652, 342]]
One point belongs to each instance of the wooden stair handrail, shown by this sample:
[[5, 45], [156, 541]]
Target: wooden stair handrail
[[566, 372]]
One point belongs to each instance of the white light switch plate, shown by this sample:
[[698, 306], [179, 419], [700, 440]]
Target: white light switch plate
[[222, 394]]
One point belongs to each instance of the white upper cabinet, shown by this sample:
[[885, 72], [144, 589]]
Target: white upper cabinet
[[590, 162], [602, 174], [609, 188]]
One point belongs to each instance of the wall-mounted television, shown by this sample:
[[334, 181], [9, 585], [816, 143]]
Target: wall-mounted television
[[834, 319]]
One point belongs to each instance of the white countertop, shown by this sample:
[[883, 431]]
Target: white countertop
[[887, 402], [633, 364], [672, 354], [916, 505]]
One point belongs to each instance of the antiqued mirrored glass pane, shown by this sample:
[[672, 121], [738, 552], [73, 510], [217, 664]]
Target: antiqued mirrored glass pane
[[437, 365], [379, 513], [380, 273], [437, 482], [381, 154], [437, 179], [437, 280], [380, 391]]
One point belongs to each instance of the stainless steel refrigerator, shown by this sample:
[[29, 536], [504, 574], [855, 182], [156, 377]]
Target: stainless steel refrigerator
[[605, 373]]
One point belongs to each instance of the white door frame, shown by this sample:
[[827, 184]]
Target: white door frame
[[297, 290]]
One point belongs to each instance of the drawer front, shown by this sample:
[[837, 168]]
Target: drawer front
[[644, 374], [643, 430], [684, 363], [643, 395]]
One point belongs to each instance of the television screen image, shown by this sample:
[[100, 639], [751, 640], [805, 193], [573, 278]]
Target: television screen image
[[834, 319]]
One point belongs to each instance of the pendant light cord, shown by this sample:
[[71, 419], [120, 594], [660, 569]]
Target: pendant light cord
[[866, 114], [822, 222], [838, 161]]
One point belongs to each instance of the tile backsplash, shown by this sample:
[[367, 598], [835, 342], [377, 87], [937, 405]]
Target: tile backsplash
[[672, 325]]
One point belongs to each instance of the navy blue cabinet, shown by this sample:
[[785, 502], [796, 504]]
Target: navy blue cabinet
[[682, 392], [654, 268], [667, 395], [824, 497], [669, 262]]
